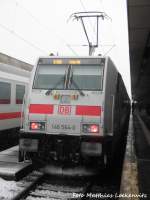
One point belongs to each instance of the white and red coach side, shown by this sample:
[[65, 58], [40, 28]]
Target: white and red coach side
[[69, 114], [13, 86]]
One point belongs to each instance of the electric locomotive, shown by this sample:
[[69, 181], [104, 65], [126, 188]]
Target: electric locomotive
[[75, 111]]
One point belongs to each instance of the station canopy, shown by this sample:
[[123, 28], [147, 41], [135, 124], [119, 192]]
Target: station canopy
[[139, 45]]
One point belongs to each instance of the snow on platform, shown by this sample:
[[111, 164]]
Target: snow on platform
[[11, 151], [10, 189], [10, 168]]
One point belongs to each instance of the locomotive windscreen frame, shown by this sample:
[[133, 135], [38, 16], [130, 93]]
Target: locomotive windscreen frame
[[71, 77]]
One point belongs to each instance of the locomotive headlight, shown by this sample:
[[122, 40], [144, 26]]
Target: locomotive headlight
[[37, 126], [90, 128]]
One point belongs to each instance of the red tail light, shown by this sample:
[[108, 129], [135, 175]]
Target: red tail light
[[34, 126], [94, 128], [90, 128], [37, 126]]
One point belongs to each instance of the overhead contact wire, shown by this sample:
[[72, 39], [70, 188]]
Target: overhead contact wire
[[47, 28], [22, 38]]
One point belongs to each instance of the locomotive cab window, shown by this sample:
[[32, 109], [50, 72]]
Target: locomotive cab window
[[5, 93], [68, 76], [50, 76], [87, 77], [20, 91]]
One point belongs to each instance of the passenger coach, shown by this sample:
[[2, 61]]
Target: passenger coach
[[13, 87]]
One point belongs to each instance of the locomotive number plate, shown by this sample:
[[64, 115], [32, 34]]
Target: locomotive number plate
[[63, 124], [63, 127], [64, 110]]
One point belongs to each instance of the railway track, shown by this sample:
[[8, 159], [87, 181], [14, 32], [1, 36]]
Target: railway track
[[38, 185], [16, 190], [65, 188], [54, 188]]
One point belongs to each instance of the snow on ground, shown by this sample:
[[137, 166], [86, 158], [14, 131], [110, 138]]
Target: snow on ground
[[8, 189]]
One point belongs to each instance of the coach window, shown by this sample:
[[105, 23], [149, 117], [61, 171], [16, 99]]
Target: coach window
[[5, 93], [20, 90]]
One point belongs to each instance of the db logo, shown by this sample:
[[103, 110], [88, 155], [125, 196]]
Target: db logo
[[64, 110]]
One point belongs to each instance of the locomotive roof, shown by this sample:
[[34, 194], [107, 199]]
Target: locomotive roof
[[71, 60], [79, 57]]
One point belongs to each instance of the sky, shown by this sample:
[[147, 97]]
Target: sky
[[33, 28]]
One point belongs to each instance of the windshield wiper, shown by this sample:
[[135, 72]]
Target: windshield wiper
[[69, 71], [71, 81], [77, 87], [48, 92]]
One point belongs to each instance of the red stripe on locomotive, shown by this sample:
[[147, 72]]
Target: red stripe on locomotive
[[41, 108], [88, 110]]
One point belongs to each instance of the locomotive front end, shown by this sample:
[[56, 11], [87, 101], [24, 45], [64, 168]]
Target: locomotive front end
[[63, 117]]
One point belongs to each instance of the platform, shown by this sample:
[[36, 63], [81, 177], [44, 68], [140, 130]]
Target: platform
[[136, 169], [10, 169], [142, 146], [129, 180]]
